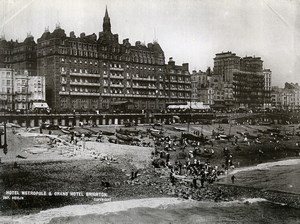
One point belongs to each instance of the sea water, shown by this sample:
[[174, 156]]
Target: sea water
[[279, 176]]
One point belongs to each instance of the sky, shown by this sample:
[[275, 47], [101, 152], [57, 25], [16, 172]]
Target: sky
[[190, 31]]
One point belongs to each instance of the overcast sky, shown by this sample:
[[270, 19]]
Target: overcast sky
[[191, 31]]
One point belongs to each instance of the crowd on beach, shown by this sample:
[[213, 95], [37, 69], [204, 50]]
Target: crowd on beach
[[184, 158], [188, 165]]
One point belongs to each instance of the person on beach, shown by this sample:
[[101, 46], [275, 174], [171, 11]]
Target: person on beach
[[232, 179], [195, 182], [202, 180]]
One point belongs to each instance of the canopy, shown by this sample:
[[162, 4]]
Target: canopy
[[218, 106], [40, 105], [118, 103], [190, 105]]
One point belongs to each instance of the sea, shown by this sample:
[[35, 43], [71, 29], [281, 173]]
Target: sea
[[283, 176]]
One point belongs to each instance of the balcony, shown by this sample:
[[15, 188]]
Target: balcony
[[84, 94], [84, 74], [117, 85], [139, 87], [118, 94], [67, 93], [117, 77], [84, 84], [64, 93], [116, 69], [138, 78]]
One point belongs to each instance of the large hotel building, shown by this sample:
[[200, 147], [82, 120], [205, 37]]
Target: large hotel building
[[90, 73]]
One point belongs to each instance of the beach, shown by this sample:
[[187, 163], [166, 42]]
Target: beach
[[107, 168]]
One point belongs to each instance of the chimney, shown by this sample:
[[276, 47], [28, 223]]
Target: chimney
[[171, 62], [72, 34], [116, 36], [185, 66]]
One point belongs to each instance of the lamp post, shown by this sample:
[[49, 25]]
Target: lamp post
[[190, 113], [4, 145], [27, 98]]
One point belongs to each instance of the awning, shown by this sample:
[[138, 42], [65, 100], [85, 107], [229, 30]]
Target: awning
[[40, 105], [190, 105], [218, 106], [118, 103]]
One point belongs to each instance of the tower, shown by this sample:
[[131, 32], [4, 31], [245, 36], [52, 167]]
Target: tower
[[106, 22]]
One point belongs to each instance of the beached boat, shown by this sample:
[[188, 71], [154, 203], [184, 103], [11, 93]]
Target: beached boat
[[226, 136], [108, 133], [155, 133], [66, 131], [190, 136], [179, 129], [112, 139], [124, 137]]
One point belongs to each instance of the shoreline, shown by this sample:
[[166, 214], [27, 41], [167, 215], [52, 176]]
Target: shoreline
[[82, 210], [267, 165]]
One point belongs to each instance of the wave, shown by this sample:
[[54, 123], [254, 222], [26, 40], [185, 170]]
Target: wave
[[46, 216], [99, 209], [266, 166]]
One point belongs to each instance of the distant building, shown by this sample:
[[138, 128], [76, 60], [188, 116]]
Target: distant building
[[287, 98], [177, 82], [19, 56], [6, 90], [268, 87], [225, 64], [238, 82], [199, 84], [19, 90], [248, 89], [28, 90]]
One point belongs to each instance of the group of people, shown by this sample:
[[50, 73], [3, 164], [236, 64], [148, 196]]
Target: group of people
[[185, 164]]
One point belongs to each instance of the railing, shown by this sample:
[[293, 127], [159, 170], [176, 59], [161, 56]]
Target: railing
[[84, 84], [116, 85], [140, 87], [84, 94], [116, 69], [117, 77], [84, 74], [144, 79]]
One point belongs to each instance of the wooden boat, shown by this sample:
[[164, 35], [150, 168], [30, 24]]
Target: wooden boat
[[190, 136], [124, 137], [226, 136], [179, 129], [108, 133], [66, 131]]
